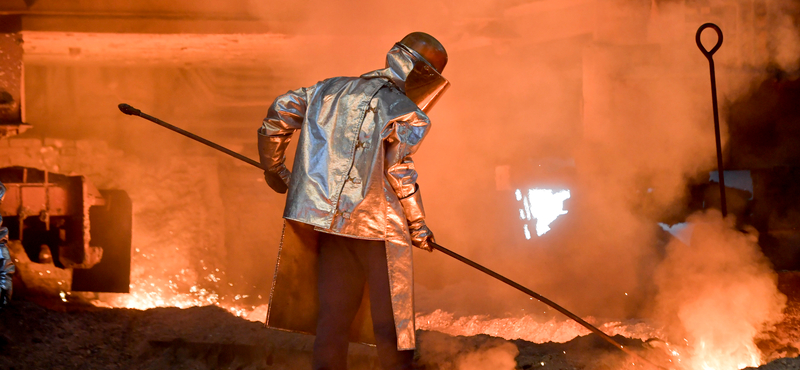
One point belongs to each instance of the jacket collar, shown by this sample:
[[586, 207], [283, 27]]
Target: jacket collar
[[399, 63]]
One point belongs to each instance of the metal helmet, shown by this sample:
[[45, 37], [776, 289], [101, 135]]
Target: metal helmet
[[428, 47], [424, 83]]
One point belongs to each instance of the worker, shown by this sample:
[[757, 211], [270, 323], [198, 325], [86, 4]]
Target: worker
[[353, 208]]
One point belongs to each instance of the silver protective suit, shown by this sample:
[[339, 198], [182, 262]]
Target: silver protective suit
[[353, 176], [6, 264]]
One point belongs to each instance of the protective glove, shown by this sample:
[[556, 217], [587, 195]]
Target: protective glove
[[421, 235], [271, 151], [278, 179]]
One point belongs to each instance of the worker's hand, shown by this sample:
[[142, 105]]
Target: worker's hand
[[278, 180], [421, 235]]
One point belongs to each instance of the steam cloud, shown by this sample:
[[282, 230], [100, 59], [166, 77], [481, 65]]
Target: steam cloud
[[717, 293]]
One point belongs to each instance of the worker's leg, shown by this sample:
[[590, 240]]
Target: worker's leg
[[381, 309], [340, 288]]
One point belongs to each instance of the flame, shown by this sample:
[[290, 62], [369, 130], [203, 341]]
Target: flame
[[197, 297], [696, 355], [182, 290], [708, 359], [702, 356], [723, 353], [528, 327], [163, 277]]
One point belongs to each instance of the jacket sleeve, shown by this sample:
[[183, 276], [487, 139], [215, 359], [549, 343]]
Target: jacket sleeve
[[285, 115], [406, 135]]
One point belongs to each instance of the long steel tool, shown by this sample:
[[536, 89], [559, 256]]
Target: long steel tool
[[710, 56], [546, 301], [127, 109]]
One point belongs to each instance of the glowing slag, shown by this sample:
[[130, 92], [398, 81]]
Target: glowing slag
[[543, 205]]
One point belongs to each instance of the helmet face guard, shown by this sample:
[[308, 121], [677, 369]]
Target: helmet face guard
[[424, 85]]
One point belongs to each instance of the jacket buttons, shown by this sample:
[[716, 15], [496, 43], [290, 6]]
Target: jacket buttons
[[362, 144]]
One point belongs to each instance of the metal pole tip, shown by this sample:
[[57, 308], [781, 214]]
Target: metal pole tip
[[127, 109]]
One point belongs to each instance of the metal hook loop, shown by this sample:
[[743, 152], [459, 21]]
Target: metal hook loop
[[700, 30]]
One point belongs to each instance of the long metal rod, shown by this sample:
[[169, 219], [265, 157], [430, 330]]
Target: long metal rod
[[544, 300], [129, 110], [710, 56]]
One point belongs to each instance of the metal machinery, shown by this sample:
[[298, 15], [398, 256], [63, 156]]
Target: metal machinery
[[65, 234]]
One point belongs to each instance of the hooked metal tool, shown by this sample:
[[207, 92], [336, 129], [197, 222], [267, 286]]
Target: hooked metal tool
[[709, 54]]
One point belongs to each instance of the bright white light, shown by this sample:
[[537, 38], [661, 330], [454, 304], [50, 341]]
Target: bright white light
[[527, 233], [527, 208], [544, 205], [682, 231]]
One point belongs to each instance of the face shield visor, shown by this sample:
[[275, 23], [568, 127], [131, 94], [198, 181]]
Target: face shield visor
[[424, 85]]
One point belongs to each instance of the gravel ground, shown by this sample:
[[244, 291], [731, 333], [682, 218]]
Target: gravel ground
[[85, 337]]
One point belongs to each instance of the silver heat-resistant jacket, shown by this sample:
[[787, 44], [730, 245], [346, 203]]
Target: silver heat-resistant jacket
[[352, 176]]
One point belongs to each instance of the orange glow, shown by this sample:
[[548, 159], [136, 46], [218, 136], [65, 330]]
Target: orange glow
[[717, 293], [183, 289], [527, 327], [146, 299]]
